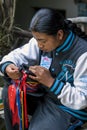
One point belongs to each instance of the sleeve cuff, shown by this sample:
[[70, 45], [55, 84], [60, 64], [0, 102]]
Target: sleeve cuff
[[4, 65], [57, 87]]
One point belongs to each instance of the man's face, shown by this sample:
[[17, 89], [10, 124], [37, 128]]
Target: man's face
[[46, 42]]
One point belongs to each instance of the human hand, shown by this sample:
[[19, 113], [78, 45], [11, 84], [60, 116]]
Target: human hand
[[12, 71], [42, 75]]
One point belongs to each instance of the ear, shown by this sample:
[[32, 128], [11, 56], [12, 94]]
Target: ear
[[60, 34]]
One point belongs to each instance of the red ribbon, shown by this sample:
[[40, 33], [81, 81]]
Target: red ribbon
[[12, 98], [12, 104], [23, 88]]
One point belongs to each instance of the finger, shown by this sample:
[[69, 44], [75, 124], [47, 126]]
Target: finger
[[33, 77]]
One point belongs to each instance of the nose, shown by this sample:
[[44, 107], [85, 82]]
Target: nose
[[41, 46]]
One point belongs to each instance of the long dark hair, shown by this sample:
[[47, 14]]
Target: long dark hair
[[49, 21]]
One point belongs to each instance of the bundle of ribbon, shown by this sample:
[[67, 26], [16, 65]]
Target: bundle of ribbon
[[17, 99]]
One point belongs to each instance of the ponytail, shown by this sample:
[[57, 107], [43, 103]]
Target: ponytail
[[75, 29]]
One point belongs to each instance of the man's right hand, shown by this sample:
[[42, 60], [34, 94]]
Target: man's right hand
[[13, 71]]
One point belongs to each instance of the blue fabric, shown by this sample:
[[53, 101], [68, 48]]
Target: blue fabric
[[75, 125], [67, 43], [56, 87], [59, 88], [56, 82], [76, 113]]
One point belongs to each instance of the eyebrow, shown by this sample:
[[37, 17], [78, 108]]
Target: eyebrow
[[40, 39]]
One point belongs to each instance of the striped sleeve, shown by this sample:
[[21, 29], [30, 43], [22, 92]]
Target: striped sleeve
[[57, 87], [4, 65]]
